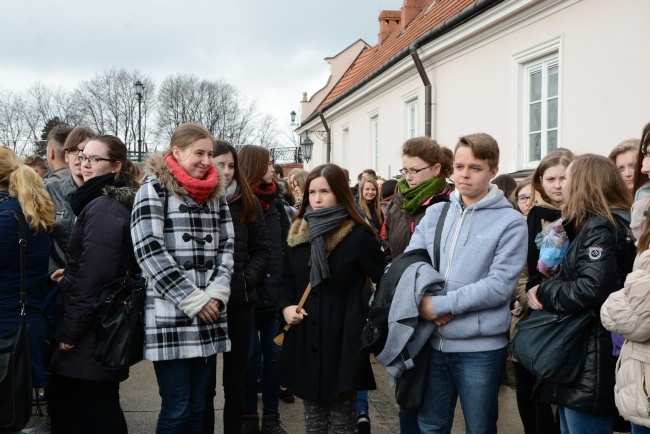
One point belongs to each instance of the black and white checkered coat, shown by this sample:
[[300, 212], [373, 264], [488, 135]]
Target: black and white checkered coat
[[185, 250]]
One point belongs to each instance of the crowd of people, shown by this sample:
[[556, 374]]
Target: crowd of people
[[236, 255]]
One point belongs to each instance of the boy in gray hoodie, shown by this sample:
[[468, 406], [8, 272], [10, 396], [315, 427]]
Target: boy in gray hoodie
[[482, 253]]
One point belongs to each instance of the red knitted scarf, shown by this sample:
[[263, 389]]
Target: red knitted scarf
[[265, 193], [197, 189]]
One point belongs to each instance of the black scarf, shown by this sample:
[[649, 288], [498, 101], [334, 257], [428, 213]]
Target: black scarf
[[321, 223], [92, 189], [534, 220]]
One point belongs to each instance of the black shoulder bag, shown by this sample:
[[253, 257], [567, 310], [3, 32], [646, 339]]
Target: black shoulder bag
[[15, 361], [409, 388]]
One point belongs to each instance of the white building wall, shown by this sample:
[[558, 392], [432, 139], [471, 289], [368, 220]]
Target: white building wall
[[604, 86]]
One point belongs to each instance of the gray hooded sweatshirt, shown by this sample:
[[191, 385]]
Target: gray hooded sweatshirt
[[482, 253]]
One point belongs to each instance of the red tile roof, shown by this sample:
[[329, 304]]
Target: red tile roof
[[372, 58]]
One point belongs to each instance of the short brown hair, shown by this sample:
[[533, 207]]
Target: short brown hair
[[523, 183], [483, 147], [35, 160], [77, 136], [57, 137]]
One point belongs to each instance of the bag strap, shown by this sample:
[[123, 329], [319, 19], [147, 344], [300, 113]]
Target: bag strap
[[438, 236], [22, 242]]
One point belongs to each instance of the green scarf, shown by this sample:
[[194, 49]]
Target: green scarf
[[414, 197]]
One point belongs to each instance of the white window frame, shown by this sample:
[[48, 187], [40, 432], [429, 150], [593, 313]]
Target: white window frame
[[544, 54], [411, 113], [374, 140], [345, 144]]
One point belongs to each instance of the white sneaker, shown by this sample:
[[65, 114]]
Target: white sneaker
[[43, 428]]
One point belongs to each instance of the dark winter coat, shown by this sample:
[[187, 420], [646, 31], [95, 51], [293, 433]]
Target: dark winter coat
[[59, 191], [320, 357], [100, 250], [596, 264], [400, 224], [252, 255], [277, 229], [36, 258]]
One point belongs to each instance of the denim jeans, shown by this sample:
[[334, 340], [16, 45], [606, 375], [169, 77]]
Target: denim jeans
[[362, 401], [577, 422], [182, 385], [408, 421], [265, 329], [638, 429], [240, 327], [475, 378]]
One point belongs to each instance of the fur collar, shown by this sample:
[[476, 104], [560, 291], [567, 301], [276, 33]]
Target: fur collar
[[124, 195], [156, 167], [299, 234]]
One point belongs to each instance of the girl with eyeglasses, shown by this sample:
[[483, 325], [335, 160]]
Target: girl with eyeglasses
[[523, 196], [546, 198], [83, 397], [426, 165], [642, 169]]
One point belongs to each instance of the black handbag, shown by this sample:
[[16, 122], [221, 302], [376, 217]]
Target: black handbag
[[15, 360], [120, 323], [552, 346]]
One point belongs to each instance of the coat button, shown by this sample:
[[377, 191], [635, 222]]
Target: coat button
[[268, 275]]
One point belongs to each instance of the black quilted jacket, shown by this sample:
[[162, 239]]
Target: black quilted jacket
[[598, 259]]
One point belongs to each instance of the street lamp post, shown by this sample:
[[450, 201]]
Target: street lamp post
[[139, 90]]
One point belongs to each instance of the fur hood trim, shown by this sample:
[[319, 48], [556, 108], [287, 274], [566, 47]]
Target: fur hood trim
[[124, 195], [299, 234], [156, 167]]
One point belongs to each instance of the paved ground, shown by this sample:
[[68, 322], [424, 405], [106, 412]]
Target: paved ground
[[141, 403]]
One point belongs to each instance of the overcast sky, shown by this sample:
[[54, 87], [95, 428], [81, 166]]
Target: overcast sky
[[272, 50]]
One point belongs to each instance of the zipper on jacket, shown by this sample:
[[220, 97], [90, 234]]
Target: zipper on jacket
[[451, 254]]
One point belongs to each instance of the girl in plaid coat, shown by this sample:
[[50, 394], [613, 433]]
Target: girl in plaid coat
[[183, 240]]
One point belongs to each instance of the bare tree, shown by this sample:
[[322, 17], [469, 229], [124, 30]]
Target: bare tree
[[217, 105], [14, 130], [109, 105]]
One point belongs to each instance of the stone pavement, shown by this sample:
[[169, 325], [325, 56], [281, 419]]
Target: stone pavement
[[141, 403]]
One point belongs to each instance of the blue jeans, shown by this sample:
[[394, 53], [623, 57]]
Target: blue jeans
[[408, 421], [265, 329], [638, 429], [182, 385], [362, 401], [577, 422], [475, 378]]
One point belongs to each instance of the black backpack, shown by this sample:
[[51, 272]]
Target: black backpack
[[375, 332]]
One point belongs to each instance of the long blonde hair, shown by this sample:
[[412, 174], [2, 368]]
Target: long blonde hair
[[376, 202], [25, 185], [595, 187]]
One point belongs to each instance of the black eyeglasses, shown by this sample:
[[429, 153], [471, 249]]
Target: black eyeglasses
[[523, 199], [404, 170], [73, 151], [93, 160]]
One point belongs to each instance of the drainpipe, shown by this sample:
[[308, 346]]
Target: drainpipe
[[427, 89], [328, 137]]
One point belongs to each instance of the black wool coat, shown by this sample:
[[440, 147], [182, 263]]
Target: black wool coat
[[277, 228], [252, 255], [320, 357], [598, 259], [100, 250]]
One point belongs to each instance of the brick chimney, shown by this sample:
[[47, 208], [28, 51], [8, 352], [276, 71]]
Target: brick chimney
[[389, 21], [411, 9]]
